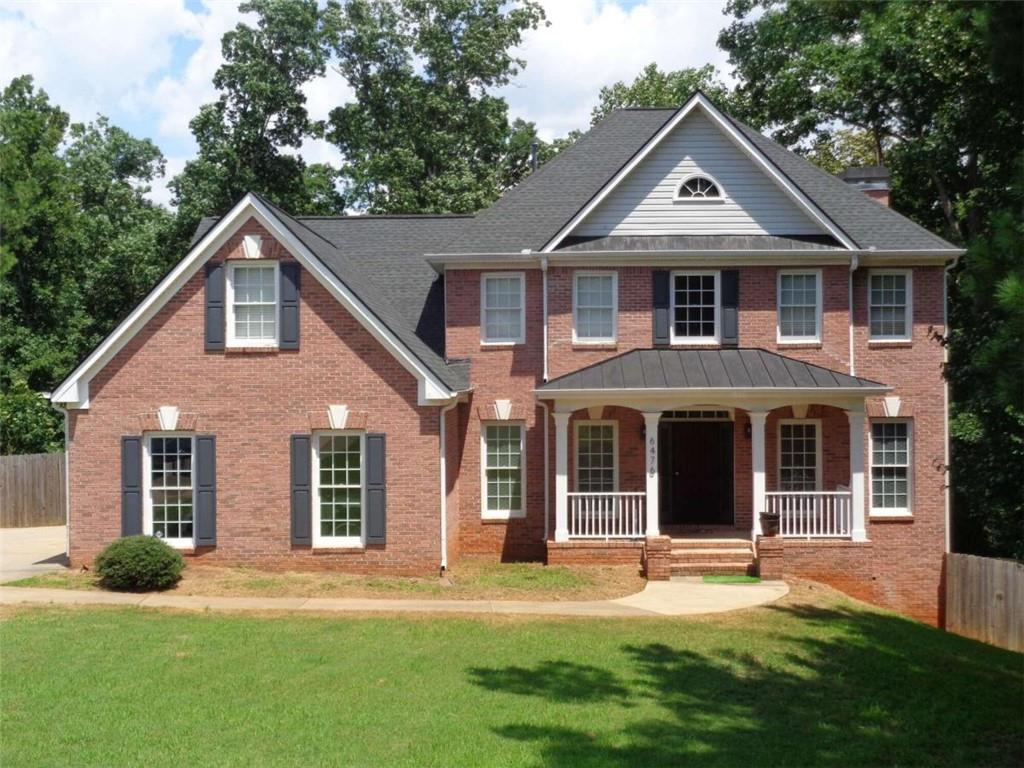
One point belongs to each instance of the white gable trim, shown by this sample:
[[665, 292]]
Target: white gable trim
[[739, 139], [74, 390]]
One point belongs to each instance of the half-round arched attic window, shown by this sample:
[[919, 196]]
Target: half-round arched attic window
[[699, 187]]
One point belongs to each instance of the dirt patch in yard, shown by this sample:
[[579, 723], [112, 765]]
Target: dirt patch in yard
[[473, 578]]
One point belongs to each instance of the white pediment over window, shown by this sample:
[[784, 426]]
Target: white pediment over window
[[697, 181]]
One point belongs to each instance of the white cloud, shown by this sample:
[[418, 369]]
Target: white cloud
[[592, 43]]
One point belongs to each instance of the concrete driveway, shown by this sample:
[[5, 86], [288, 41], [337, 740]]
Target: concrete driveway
[[29, 551]]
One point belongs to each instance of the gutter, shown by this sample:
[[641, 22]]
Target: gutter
[[547, 452], [67, 475], [443, 458], [947, 471], [854, 263], [544, 282]]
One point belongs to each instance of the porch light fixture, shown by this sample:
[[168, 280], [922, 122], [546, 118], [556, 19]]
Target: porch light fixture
[[746, 430]]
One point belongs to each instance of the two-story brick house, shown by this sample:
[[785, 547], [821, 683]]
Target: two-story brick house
[[672, 327]]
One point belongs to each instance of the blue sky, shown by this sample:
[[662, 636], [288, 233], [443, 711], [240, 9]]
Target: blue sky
[[148, 64]]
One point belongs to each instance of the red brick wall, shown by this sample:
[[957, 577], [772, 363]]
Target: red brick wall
[[253, 402], [904, 558]]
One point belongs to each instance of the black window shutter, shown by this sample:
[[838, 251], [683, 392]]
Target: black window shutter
[[131, 486], [215, 317], [730, 303], [302, 491], [661, 301], [206, 491], [289, 306], [376, 489]]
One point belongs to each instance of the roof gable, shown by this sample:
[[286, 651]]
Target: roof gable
[[645, 201]]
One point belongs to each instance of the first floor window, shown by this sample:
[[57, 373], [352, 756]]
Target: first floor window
[[503, 470], [695, 307], [595, 298], [889, 305], [253, 302], [502, 308], [798, 456], [595, 457], [799, 306], [890, 466], [339, 488], [170, 488]]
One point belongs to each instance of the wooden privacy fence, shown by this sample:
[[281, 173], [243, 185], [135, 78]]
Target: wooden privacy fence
[[985, 599], [32, 490]]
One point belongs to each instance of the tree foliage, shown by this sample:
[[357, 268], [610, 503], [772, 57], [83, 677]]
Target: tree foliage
[[425, 133]]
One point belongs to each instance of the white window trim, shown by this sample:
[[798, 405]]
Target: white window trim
[[229, 301], [615, 449], [521, 338], [896, 512], [818, 309], [147, 488], [500, 514], [695, 340], [818, 469], [338, 542], [909, 335], [678, 198], [576, 338]]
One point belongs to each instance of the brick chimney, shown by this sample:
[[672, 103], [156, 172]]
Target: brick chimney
[[872, 180]]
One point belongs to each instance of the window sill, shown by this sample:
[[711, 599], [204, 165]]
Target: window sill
[[891, 516], [331, 550], [492, 518], [603, 346], [808, 344], [695, 343], [501, 344], [890, 343], [251, 350]]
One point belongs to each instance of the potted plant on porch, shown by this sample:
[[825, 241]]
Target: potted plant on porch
[[770, 523]]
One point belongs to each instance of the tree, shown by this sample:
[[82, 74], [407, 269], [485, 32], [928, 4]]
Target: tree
[[261, 111], [425, 134], [654, 88]]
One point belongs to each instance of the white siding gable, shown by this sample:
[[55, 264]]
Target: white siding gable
[[644, 202]]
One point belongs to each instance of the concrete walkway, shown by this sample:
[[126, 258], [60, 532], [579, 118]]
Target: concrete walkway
[[659, 598], [30, 551]]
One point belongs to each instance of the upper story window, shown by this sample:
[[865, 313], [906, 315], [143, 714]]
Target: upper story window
[[695, 307], [503, 308], [595, 296], [799, 306], [699, 188], [890, 305], [252, 300]]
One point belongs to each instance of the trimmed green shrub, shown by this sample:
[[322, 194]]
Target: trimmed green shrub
[[139, 564]]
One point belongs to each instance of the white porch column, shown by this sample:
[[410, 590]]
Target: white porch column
[[859, 528], [757, 421], [561, 476], [653, 490]]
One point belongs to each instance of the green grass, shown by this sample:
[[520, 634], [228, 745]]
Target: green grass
[[726, 578], [57, 580], [527, 576], [808, 681]]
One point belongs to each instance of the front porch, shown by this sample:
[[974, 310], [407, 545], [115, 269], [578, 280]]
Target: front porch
[[681, 461]]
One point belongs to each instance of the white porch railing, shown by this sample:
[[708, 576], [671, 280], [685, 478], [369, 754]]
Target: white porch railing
[[812, 514], [606, 515]]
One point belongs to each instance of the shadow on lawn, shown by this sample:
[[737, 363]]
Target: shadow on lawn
[[854, 688]]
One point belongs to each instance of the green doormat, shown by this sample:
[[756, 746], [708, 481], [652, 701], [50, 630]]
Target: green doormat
[[730, 579]]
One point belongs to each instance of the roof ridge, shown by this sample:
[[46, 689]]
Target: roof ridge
[[379, 216]]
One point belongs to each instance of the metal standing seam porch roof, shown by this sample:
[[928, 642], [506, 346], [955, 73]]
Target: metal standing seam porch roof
[[660, 369]]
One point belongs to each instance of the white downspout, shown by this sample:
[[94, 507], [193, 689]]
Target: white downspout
[[443, 455], [849, 300], [945, 397], [544, 292], [547, 503], [67, 478]]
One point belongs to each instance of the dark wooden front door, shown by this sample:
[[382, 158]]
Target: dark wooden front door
[[696, 472]]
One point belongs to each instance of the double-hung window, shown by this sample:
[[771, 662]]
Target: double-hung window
[[595, 456], [799, 306], [890, 305], [252, 304], [799, 456], [695, 307], [595, 296], [170, 481], [340, 489], [502, 308], [503, 466], [890, 467]]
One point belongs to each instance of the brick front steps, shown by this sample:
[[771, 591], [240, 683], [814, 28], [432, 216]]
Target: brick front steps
[[711, 556]]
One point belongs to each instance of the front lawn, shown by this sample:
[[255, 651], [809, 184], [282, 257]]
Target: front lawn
[[814, 679], [473, 578]]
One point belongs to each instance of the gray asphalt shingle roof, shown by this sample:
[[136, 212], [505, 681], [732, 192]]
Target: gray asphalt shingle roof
[[703, 369]]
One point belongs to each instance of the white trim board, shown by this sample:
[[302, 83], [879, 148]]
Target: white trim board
[[74, 390], [699, 100]]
